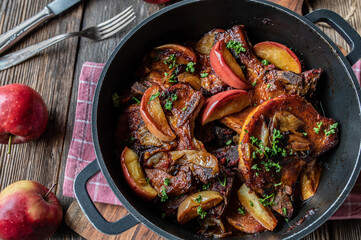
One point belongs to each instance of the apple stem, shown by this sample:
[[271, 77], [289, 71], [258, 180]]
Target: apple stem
[[51, 189], [9, 144]]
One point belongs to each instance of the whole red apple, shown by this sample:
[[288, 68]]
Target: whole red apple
[[23, 114], [27, 212]]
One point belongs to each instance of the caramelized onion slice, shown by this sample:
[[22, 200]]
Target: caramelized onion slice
[[187, 210]]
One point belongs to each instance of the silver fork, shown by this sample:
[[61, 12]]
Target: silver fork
[[97, 33]]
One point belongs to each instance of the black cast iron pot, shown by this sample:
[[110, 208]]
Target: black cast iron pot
[[189, 20]]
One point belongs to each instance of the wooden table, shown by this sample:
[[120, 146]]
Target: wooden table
[[54, 74]]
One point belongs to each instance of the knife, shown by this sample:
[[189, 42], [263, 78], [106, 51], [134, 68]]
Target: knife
[[54, 8]]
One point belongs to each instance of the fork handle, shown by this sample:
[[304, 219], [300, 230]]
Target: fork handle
[[11, 37], [17, 57]]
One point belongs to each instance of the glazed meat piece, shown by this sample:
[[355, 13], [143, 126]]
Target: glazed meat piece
[[286, 126]]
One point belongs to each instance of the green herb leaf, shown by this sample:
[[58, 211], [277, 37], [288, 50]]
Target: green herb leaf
[[198, 199], [228, 142], [265, 62], [251, 203], [201, 212], [284, 211], [236, 46], [268, 86], [267, 200], [305, 134], [332, 129], [154, 96], [185, 108], [136, 100], [174, 97], [254, 83], [190, 67], [277, 184], [163, 195], [147, 179], [223, 183], [166, 181], [172, 78], [241, 211], [168, 105], [204, 74], [206, 186], [317, 129]]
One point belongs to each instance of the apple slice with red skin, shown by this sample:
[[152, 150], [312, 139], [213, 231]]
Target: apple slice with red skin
[[279, 55], [134, 175], [223, 104], [153, 115], [226, 67]]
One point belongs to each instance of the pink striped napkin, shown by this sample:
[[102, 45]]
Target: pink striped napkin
[[82, 152]]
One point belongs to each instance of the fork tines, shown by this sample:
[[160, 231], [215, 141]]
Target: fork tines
[[115, 24]]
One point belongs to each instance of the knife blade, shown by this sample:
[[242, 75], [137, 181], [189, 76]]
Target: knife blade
[[59, 6], [54, 8]]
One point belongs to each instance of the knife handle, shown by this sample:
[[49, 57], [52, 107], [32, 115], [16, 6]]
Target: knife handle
[[9, 38]]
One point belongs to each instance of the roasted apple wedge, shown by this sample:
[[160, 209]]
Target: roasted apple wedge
[[134, 175], [251, 202], [223, 104], [205, 44], [309, 179], [153, 115], [196, 205], [279, 55], [226, 67]]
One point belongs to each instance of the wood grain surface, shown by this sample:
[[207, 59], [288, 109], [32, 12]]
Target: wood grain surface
[[54, 74]]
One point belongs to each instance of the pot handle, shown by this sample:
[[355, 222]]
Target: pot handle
[[342, 27], [91, 212]]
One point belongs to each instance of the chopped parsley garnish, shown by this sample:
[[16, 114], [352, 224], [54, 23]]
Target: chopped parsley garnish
[[251, 203], [246, 130], [185, 108], [268, 200], [171, 61], [268, 86], [166, 181], [304, 134], [174, 97], [163, 215], [116, 99], [201, 212], [317, 130], [198, 199], [241, 211], [284, 211], [265, 62], [270, 164], [190, 67], [147, 180], [229, 142], [166, 74], [168, 105], [236, 46], [206, 186], [204, 74], [243, 68], [254, 83], [223, 183], [154, 96], [172, 78], [163, 195], [332, 130], [277, 184], [136, 100], [254, 167]]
